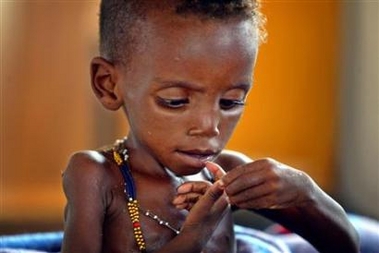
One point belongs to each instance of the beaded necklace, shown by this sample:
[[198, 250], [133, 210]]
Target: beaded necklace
[[120, 155]]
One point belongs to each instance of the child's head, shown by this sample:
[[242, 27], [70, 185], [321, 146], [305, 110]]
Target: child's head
[[181, 70], [120, 19]]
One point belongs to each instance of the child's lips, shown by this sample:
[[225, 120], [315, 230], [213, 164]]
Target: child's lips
[[199, 155]]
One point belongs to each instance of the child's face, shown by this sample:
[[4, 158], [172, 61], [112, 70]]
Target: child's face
[[183, 92]]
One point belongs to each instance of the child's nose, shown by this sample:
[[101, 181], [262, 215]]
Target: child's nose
[[205, 123]]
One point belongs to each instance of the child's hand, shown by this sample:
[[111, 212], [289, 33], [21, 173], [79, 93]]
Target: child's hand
[[267, 183], [189, 192], [207, 205], [207, 212]]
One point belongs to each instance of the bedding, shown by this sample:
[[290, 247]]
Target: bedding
[[275, 239]]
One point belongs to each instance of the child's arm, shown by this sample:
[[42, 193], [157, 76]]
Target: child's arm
[[283, 194], [85, 203], [290, 197]]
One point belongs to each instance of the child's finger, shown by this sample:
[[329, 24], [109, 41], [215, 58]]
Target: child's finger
[[186, 206], [209, 201], [193, 186], [216, 170], [186, 198], [215, 199]]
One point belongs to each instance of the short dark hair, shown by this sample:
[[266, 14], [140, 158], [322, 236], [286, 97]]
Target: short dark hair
[[118, 19]]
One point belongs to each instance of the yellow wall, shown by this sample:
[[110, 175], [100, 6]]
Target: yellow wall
[[291, 113], [48, 110]]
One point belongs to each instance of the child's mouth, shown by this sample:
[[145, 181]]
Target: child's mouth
[[202, 156]]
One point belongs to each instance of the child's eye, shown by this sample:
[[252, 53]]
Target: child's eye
[[227, 104], [172, 103]]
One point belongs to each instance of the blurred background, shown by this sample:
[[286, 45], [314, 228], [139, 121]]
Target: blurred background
[[315, 104]]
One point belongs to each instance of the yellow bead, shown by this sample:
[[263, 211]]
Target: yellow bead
[[117, 158]]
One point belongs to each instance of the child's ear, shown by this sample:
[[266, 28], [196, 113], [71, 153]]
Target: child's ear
[[104, 78]]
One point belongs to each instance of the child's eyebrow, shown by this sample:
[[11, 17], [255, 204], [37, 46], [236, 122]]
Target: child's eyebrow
[[243, 86], [177, 83], [195, 87]]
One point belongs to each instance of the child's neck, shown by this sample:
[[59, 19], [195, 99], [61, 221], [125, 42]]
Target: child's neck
[[143, 163]]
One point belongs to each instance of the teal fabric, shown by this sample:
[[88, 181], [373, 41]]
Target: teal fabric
[[45, 242], [249, 240]]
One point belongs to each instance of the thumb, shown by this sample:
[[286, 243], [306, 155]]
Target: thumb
[[215, 169]]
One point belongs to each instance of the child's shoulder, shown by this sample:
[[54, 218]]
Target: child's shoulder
[[229, 159], [89, 160], [89, 167]]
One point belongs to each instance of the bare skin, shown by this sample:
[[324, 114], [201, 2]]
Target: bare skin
[[282, 194], [110, 226], [183, 94]]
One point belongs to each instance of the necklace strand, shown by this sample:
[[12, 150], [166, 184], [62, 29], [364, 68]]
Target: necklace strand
[[121, 156], [132, 203], [161, 222]]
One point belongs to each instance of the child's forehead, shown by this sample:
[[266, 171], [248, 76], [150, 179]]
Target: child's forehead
[[161, 27], [164, 35], [191, 46], [159, 20]]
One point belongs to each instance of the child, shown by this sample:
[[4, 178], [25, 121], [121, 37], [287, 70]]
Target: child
[[181, 71]]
